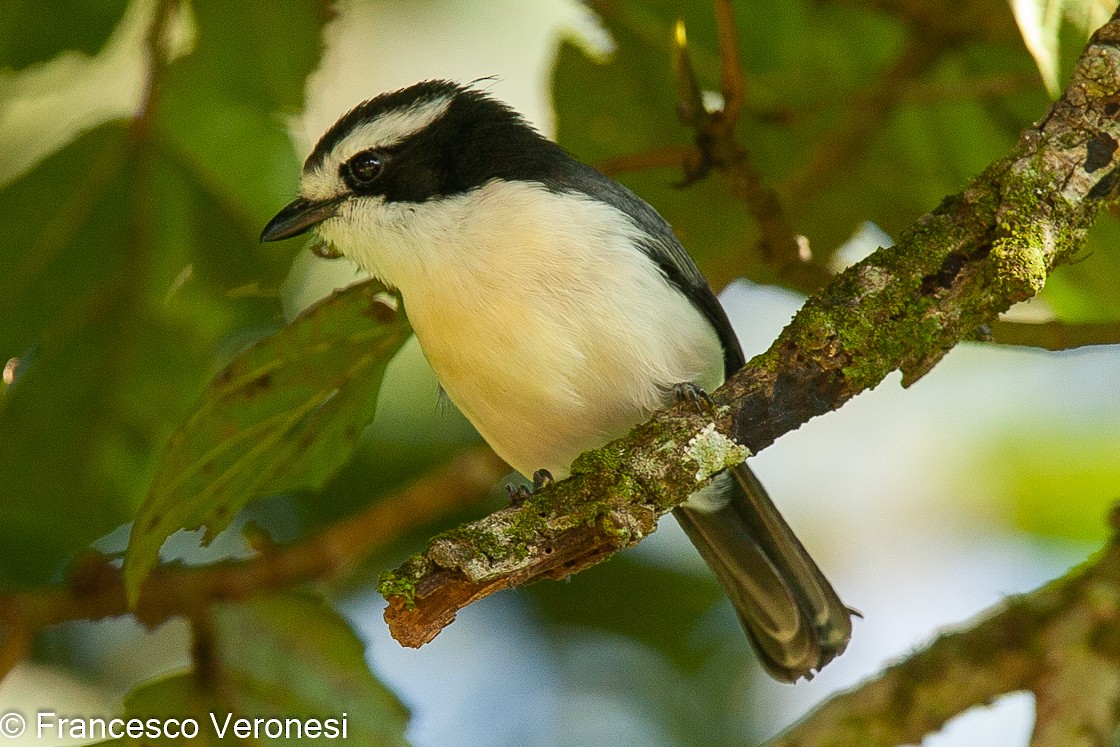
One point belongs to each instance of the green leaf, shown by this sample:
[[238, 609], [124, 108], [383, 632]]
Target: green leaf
[[34, 31], [218, 113], [65, 301], [116, 333], [120, 255], [1039, 23], [171, 709], [285, 415], [294, 654], [70, 206], [237, 45], [288, 657], [1088, 15]]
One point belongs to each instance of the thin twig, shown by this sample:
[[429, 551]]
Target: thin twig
[[717, 147], [669, 156], [779, 245], [172, 591], [1056, 335], [732, 80]]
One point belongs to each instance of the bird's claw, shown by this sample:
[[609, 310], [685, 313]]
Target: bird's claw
[[688, 391], [518, 494]]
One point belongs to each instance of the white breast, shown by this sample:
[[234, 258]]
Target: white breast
[[551, 341]]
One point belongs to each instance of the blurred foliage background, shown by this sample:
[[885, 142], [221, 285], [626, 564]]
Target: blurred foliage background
[[145, 145]]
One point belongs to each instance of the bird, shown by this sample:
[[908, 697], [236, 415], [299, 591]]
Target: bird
[[557, 310]]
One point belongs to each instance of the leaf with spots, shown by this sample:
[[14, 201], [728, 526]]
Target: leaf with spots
[[285, 415]]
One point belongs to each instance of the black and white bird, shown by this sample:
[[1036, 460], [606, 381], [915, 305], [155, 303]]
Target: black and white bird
[[558, 310]]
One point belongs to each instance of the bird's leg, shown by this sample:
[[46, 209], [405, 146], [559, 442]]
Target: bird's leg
[[690, 391], [518, 494]]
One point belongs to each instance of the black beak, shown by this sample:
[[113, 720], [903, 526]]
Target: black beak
[[298, 216]]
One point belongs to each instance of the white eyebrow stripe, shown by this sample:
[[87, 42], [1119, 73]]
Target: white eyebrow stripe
[[388, 129]]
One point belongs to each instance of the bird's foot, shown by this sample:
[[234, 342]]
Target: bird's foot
[[518, 494], [689, 391]]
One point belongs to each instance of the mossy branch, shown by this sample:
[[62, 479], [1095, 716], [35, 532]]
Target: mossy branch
[[1059, 642], [902, 308]]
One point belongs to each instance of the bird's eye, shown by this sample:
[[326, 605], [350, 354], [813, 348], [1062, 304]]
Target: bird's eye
[[363, 169]]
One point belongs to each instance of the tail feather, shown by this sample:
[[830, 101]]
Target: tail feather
[[792, 616]]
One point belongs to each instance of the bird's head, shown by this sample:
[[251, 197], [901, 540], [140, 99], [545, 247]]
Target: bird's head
[[406, 152]]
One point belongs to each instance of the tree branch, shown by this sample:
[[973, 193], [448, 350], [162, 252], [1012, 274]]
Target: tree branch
[[1059, 641], [670, 156], [1078, 693], [96, 589], [1056, 335], [901, 308]]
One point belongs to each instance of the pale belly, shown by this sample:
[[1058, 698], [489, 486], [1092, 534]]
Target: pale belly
[[550, 341], [544, 379]]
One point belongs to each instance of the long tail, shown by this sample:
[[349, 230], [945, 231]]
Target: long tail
[[793, 617]]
